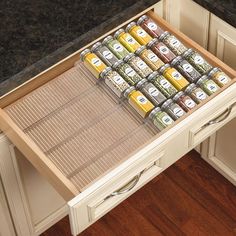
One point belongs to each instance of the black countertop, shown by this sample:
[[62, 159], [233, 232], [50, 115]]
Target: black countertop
[[37, 34]]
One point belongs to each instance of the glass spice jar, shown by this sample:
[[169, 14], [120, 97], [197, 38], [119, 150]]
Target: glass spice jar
[[200, 64], [173, 43], [139, 102], [207, 85], [219, 77], [104, 54], [152, 60], [127, 40], [127, 72], [174, 77], [186, 69], [160, 118], [172, 109], [162, 84], [92, 62], [114, 81], [151, 92], [184, 101], [116, 47], [138, 33], [150, 26], [161, 50], [138, 65], [196, 93]]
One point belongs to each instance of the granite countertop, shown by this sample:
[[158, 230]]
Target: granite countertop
[[37, 34]]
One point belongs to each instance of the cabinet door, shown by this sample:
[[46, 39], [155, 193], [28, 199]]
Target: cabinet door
[[222, 41]]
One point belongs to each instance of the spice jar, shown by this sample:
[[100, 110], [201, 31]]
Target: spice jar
[[160, 118], [114, 81], [104, 53], [196, 93], [172, 109], [151, 92], [173, 43], [138, 101], [200, 64], [186, 69], [127, 72], [150, 26], [162, 84], [174, 77], [138, 65], [219, 77], [161, 50], [92, 62], [208, 85], [127, 40], [152, 60], [138, 33], [116, 47], [184, 101]]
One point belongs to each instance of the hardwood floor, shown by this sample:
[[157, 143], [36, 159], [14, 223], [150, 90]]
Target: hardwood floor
[[189, 198]]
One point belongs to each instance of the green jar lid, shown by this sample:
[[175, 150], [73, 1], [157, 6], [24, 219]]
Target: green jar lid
[[178, 95], [163, 68], [166, 104], [140, 50], [202, 79], [152, 75], [141, 83], [163, 35], [117, 64], [129, 26], [128, 57], [118, 32], [142, 19], [190, 88], [105, 71], [128, 91], [152, 42], [153, 112], [95, 47], [107, 39], [176, 61], [84, 53], [213, 71], [187, 53]]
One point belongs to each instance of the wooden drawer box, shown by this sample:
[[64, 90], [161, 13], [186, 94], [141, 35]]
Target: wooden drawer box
[[94, 150]]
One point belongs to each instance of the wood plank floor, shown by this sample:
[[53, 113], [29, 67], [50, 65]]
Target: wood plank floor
[[189, 198]]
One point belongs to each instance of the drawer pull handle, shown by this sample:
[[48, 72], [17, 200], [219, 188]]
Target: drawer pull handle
[[221, 117]]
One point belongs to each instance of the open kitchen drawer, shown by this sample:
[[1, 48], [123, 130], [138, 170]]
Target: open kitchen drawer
[[93, 149]]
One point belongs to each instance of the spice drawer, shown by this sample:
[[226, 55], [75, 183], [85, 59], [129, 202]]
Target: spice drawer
[[93, 149]]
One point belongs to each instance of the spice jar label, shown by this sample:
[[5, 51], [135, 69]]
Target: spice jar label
[[164, 50], [166, 120], [118, 47], [141, 33], [188, 68], [178, 111], [96, 61], [198, 60], [152, 57], [189, 103], [212, 87], [152, 26], [129, 71], [153, 91], [108, 55], [130, 39], [176, 75], [165, 84], [200, 95], [174, 42], [141, 64], [142, 99], [223, 79], [118, 79]]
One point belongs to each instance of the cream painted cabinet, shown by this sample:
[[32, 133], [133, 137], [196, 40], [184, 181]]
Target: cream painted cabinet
[[33, 202]]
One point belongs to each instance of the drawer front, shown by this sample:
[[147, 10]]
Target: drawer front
[[90, 205]]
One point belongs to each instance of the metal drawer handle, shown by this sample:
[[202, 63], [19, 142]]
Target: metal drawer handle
[[221, 117]]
